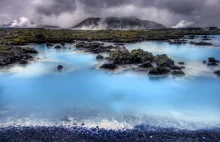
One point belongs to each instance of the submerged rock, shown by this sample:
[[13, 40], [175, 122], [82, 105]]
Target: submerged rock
[[159, 71], [181, 63], [49, 44], [59, 67], [217, 72], [57, 47], [99, 57], [110, 66]]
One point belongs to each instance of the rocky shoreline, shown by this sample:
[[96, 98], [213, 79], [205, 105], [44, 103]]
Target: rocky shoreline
[[11, 54], [81, 134]]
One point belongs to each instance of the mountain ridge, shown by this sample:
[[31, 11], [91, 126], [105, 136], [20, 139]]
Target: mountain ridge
[[115, 23]]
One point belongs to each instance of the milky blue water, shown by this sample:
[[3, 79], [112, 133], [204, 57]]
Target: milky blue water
[[37, 94]]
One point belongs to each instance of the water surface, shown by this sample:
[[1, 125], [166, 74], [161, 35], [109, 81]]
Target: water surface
[[37, 94]]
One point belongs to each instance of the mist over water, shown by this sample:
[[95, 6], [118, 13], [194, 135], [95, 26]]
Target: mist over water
[[37, 94]]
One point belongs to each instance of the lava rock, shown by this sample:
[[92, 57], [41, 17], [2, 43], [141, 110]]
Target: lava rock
[[59, 67], [49, 44], [212, 59], [23, 62], [30, 50], [203, 43], [217, 72], [159, 71], [99, 57], [181, 63], [62, 43], [212, 64], [58, 47], [178, 72], [146, 64], [110, 66], [174, 67]]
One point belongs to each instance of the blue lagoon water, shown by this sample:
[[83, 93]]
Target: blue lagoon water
[[38, 95]]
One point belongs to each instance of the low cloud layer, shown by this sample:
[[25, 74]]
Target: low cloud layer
[[67, 13], [22, 22], [183, 24]]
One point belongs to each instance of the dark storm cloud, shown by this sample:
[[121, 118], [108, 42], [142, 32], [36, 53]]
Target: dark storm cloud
[[56, 7], [168, 12]]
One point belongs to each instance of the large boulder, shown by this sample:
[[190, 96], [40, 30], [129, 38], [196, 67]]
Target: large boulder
[[159, 71], [99, 57], [120, 57], [164, 61], [59, 67], [110, 66], [212, 59], [140, 56]]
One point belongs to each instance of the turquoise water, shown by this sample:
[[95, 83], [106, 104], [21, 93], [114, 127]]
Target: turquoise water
[[37, 94]]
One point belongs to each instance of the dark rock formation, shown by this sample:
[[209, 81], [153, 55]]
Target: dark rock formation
[[99, 57], [57, 47], [62, 43], [30, 50], [181, 63], [110, 66], [212, 59], [59, 67], [49, 44], [23, 62], [203, 43], [204, 62], [159, 71], [217, 72], [10, 54], [178, 72]]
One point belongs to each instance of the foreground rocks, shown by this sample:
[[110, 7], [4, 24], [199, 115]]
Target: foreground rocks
[[11, 54], [79, 134]]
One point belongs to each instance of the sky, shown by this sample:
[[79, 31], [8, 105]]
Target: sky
[[67, 13]]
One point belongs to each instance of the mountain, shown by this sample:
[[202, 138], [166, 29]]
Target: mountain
[[117, 23]]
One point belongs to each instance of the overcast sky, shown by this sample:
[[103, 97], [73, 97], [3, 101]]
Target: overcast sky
[[66, 13]]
